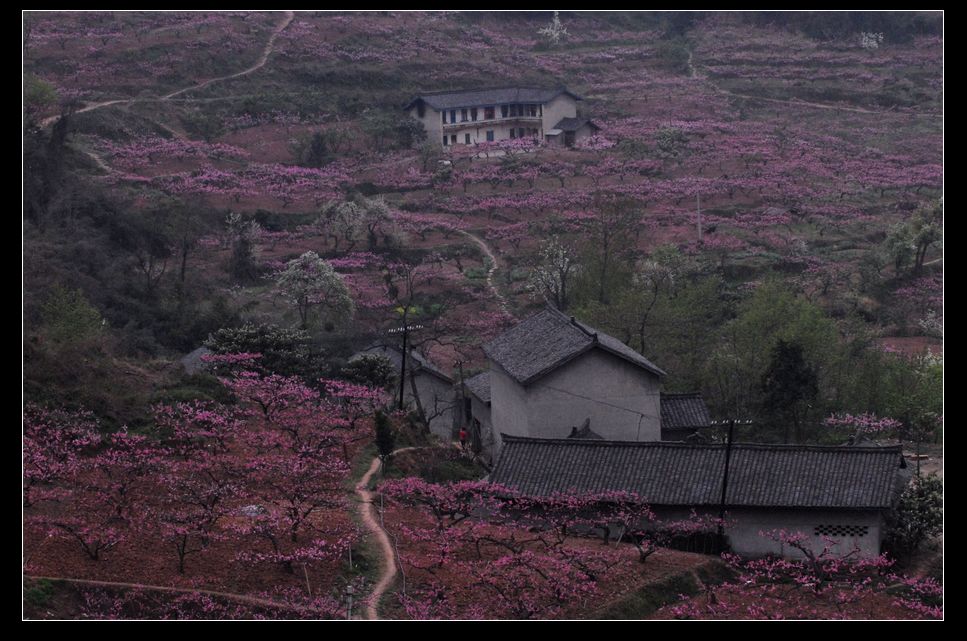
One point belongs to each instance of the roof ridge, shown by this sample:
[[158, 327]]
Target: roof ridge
[[679, 445]]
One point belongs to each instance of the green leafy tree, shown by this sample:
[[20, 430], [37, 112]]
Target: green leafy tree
[[388, 129], [899, 246], [69, 318], [918, 515], [285, 351], [743, 348], [385, 437], [243, 236], [926, 230], [372, 370], [38, 96]]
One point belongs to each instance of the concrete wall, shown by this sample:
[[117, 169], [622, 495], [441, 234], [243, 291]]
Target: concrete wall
[[481, 411], [439, 403], [621, 399], [745, 524], [478, 131], [431, 122], [561, 107], [508, 405], [437, 396]]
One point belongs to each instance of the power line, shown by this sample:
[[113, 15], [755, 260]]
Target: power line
[[600, 402]]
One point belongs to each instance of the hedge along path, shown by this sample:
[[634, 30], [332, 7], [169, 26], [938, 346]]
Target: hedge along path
[[262, 59], [239, 598]]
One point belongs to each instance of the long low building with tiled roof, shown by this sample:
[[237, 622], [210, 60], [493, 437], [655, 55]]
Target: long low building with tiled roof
[[838, 493]]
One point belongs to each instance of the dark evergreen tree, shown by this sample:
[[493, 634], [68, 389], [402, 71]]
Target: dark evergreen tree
[[789, 385]]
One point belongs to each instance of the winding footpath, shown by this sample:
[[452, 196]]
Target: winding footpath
[[797, 102], [239, 598], [262, 59], [490, 270], [286, 21], [367, 513]]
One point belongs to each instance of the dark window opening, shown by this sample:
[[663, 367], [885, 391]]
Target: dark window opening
[[473, 114], [444, 141], [488, 113], [842, 530], [490, 135], [443, 116], [463, 115], [453, 139], [503, 111], [453, 115], [466, 138]]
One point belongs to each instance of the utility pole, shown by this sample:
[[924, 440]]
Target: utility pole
[[698, 213], [463, 399], [725, 476], [405, 330]]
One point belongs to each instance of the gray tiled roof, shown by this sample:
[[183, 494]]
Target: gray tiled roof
[[680, 474], [680, 411], [573, 124], [395, 357], [479, 386], [497, 96], [549, 339]]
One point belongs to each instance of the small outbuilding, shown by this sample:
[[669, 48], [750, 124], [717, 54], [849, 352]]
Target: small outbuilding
[[434, 396], [683, 416], [570, 131]]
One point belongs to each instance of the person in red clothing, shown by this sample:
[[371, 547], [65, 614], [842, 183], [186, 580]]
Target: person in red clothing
[[463, 438]]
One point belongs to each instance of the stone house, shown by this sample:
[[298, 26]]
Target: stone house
[[836, 496], [551, 372], [434, 388], [570, 131], [503, 113]]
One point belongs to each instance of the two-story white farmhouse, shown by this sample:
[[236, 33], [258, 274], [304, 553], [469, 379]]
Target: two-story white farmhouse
[[506, 113]]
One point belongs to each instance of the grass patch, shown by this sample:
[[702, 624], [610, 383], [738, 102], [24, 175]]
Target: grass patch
[[645, 602], [39, 593], [436, 465]]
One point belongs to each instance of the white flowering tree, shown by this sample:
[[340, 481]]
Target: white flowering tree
[[312, 284], [871, 40], [553, 273], [555, 32]]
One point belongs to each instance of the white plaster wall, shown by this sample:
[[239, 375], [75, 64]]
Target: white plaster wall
[[431, 122], [439, 404], [478, 132], [621, 399], [562, 106], [508, 404], [480, 411], [745, 525]]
